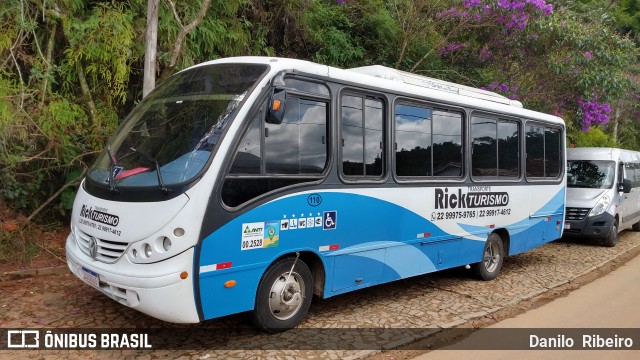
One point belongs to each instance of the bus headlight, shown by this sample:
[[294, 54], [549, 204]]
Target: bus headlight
[[146, 248], [166, 243], [158, 247], [601, 206]]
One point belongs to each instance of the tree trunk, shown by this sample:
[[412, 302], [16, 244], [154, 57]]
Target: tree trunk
[[49, 59], [86, 95], [151, 45], [615, 123], [182, 34]]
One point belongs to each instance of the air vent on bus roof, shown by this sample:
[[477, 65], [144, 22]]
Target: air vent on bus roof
[[435, 84]]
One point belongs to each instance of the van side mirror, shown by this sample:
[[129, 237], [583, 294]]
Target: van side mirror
[[277, 105], [625, 187]]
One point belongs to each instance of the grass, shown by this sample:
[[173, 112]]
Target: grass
[[18, 246]]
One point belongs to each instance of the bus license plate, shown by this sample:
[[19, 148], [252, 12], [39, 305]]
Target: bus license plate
[[90, 277]]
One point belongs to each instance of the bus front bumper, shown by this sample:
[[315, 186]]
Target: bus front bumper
[[155, 289]]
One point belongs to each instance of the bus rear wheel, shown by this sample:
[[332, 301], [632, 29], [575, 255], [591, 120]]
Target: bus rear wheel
[[284, 295], [492, 257]]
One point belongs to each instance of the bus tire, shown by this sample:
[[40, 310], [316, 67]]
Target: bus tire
[[612, 239], [492, 257], [282, 301]]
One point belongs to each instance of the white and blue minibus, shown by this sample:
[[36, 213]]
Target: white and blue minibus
[[255, 183], [603, 193]]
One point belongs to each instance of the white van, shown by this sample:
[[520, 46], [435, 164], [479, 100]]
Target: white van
[[603, 193]]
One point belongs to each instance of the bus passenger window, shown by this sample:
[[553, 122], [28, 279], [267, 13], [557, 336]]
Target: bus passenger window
[[495, 151], [544, 152], [373, 137], [413, 140], [352, 138], [427, 142], [298, 145], [535, 151], [274, 156], [484, 147], [552, 155], [362, 138], [508, 149], [447, 143]]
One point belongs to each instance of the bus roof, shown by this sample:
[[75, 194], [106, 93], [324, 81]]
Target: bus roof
[[431, 83], [602, 153], [401, 82]]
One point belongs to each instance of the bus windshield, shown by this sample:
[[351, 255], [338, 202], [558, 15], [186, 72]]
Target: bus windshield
[[592, 174], [170, 135]]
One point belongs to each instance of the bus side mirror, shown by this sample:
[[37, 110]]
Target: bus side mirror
[[625, 187], [277, 105]]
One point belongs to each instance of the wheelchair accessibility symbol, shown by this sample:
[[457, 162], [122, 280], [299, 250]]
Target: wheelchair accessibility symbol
[[330, 220]]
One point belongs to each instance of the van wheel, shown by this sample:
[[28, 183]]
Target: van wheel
[[636, 226], [612, 239], [284, 296], [492, 257]]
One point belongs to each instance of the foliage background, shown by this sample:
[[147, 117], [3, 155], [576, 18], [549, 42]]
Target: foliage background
[[70, 70]]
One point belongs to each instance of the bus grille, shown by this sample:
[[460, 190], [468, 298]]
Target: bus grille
[[576, 213], [108, 251]]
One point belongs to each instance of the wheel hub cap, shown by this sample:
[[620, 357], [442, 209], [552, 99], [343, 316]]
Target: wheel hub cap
[[286, 296]]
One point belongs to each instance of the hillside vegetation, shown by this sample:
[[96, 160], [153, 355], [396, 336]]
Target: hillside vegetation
[[71, 70]]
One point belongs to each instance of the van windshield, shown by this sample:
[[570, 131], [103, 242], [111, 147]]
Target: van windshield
[[594, 174], [168, 138]]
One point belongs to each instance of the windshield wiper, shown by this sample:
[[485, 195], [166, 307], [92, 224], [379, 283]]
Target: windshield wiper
[[112, 164], [163, 188]]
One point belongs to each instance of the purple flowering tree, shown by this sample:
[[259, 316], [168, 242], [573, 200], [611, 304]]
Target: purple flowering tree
[[452, 26], [461, 28], [593, 113], [549, 58]]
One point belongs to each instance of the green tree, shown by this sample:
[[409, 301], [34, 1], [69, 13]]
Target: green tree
[[71, 69], [349, 34]]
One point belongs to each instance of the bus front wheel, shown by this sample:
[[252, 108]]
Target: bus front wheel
[[612, 239], [284, 295], [492, 257]]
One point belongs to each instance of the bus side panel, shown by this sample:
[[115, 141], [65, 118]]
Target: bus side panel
[[471, 251], [365, 268], [519, 241], [409, 260], [542, 226], [362, 240], [392, 261], [348, 232], [422, 258], [219, 300], [376, 241]]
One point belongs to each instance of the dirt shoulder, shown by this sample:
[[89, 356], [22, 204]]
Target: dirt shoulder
[[29, 248]]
